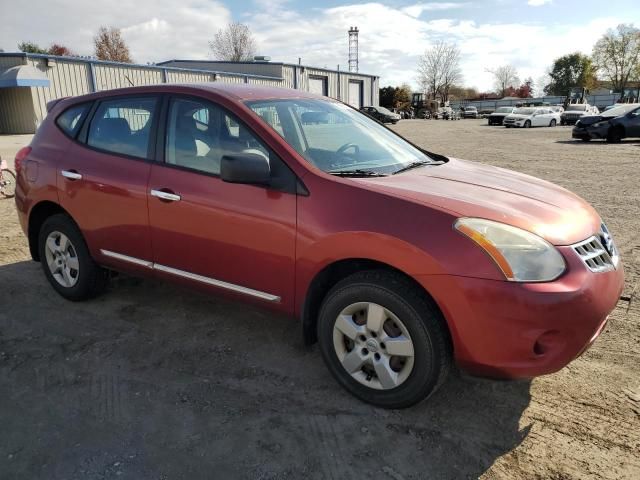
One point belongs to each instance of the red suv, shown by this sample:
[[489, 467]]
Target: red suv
[[398, 261]]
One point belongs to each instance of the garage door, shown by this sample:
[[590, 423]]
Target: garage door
[[318, 85], [355, 94]]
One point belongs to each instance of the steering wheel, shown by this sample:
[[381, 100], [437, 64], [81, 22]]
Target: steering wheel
[[347, 146]]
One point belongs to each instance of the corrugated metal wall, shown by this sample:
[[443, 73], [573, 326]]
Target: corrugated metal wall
[[16, 111], [23, 109]]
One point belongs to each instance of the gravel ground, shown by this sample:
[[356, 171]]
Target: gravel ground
[[151, 381]]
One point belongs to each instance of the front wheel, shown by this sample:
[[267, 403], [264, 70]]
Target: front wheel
[[614, 135], [527, 124], [382, 340], [66, 260]]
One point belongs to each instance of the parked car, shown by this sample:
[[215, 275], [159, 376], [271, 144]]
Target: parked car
[[532, 117], [397, 260], [470, 112], [497, 117], [576, 111], [557, 108], [381, 114], [611, 125]]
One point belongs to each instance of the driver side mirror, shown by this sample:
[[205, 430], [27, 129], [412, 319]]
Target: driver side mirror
[[250, 168]]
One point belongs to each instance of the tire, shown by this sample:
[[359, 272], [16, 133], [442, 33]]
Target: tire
[[8, 184], [552, 123], [527, 124], [614, 135], [71, 271], [407, 378]]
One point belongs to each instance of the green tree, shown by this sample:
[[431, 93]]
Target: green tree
[[402, 97], [31, 47], [617, 55], [387, 95], [570, 71]]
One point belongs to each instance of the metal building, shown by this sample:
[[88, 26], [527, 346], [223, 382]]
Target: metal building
[[29, 81], [356, 89]]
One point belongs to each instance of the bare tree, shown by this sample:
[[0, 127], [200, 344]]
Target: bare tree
[[109, 45], [235, 43], [617, 56], [504, 77], [439, 69]]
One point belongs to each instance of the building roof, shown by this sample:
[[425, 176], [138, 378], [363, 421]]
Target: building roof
[[213, 62]]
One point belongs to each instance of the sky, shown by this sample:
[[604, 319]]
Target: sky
[[528, 34]]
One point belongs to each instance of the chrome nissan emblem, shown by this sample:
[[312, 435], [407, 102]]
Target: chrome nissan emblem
[[372, 345]]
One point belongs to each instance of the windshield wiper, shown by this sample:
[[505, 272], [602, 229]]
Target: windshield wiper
[[421, 163], [356, 173]]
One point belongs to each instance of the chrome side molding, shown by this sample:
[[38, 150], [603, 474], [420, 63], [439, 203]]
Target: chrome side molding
[[193, 276]]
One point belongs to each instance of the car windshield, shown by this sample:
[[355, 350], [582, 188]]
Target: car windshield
[[337, 138], [621, 110], [504, 110], [577, 107], [384, 110], [525, 111]]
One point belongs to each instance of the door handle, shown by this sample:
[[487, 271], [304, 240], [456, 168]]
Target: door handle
[[71, 174], [168, 196]]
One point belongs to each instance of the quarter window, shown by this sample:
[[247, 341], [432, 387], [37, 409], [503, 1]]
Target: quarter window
[[69, 120], [199, 134], [123, 126]]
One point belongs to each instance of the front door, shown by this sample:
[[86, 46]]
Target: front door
[[230, 237], [102, 181]]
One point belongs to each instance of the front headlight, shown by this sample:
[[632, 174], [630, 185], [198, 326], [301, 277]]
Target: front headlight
[[601, 123], [521, 256]]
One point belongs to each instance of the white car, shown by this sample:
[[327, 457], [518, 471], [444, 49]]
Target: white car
[[532, 117]]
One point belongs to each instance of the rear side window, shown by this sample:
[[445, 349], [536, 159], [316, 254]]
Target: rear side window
[[70, 120], [123, 126]]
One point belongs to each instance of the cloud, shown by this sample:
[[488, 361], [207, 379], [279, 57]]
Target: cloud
[[155, 30], [538, 3], [417, 9], [391, 38]]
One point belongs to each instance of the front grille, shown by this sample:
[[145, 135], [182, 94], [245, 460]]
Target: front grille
[[599, 253]]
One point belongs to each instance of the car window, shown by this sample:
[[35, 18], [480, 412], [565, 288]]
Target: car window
[[69, 120], [123, 126], [200, 133]]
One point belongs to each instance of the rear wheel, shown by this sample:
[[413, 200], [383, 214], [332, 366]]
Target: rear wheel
[[552, 123], [7, 183], [382, 341], [66, 260]]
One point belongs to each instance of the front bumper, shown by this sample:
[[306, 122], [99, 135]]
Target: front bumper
[[590, 133], [505, 329]]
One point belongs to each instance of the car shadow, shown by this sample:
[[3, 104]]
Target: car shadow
[[597, 142], [151, 380]]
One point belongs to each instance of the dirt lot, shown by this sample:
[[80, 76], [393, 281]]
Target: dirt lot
[[150, 381]]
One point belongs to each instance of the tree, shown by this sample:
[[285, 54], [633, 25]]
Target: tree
[[31, 47], [109, 45], [570, 71], [617, 55], [462, 93], [439, 69], [386, 96], [504, 77], [60, 50], [402, 97], [235, 43]]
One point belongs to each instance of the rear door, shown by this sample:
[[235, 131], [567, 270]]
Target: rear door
[[102, 180], [230, 237]]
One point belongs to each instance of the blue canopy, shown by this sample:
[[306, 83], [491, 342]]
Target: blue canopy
[[23, 76]]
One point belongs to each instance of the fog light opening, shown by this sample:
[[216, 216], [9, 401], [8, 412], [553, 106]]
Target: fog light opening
[[546, 343]]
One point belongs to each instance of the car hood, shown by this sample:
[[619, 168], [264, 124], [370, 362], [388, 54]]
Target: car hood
[[591, 119], [470, 189], [518, 116], [499, 114]]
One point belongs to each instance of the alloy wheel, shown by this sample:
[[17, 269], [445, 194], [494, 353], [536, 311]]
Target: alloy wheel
[[373, 345], [62, 259]]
